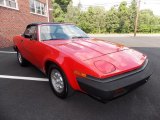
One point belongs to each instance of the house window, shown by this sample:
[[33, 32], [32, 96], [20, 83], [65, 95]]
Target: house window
[[37, 7], [9, 3]]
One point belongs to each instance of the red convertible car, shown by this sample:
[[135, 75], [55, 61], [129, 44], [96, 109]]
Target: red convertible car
[[74, 61]]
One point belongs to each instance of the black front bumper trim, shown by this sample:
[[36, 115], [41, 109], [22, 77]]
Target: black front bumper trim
[[114, 86]]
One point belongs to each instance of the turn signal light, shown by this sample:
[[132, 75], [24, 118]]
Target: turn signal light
[[80, 74]]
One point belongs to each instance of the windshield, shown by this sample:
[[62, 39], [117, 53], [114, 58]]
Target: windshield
[[60, 32]]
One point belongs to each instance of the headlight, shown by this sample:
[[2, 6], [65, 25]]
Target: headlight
[[104, 66]]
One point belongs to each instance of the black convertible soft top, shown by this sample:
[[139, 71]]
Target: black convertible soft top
[[40, 23]]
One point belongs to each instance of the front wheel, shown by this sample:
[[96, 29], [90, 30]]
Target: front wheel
[[22, 61], [58, 82]]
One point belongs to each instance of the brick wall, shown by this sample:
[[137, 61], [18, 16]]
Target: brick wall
[[50, 11], [13, 22]]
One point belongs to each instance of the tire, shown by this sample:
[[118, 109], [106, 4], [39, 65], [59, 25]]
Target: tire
[[21, 60], [59, 82]]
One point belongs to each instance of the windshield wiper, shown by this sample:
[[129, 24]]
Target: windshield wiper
[[79, 37], [51, 39]]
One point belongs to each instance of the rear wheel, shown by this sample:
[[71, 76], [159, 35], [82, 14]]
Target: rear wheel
[[58, 82], [22, 61]]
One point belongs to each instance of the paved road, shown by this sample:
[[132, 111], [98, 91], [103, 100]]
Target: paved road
[[34, 100]]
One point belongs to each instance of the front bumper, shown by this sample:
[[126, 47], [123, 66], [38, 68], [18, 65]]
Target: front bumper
[[109, 88]]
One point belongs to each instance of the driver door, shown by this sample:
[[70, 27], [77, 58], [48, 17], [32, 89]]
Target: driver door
[[30, 44]]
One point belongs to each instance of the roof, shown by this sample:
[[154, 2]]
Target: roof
[[40, 23]]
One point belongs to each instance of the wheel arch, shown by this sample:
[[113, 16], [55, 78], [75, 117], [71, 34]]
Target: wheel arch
[[15, 48], [48, 63], [67, 71]]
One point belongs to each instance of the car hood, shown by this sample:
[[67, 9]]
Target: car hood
[[85, 49], [124, 61]]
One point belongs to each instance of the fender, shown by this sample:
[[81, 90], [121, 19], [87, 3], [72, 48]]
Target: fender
[[62, 64]]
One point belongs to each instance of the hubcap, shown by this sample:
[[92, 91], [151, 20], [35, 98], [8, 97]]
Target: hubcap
[[57, 81], [19, 57]]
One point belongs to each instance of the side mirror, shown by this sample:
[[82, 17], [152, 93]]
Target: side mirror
[[28, 36]]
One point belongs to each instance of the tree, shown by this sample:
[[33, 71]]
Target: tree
[[112, 20], [99, 20], [72, 14], [100, 14], [123, 14], [85, 21], [58, 14], [147, 21], [95, 19], [63, 4], [132, 14], [59, 10]]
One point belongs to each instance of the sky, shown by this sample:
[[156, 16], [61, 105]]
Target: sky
[[154, 5]]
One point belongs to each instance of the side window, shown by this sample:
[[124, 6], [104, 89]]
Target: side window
[[31, 30], [26, 32]]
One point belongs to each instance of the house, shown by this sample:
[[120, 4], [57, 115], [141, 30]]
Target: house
[[16, 14]]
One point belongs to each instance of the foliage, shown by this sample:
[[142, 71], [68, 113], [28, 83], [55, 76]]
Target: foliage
[[59, 9], [94, 19], [63, 4], [112, 20], [72, 14], [148, 22], [132, 14], [123, 14], [58, 14], [99, 20]]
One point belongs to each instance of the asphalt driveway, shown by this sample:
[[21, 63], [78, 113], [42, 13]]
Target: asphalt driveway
[[25, 93]]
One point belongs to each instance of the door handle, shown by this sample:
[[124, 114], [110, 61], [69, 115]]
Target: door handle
[[21, 40]]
